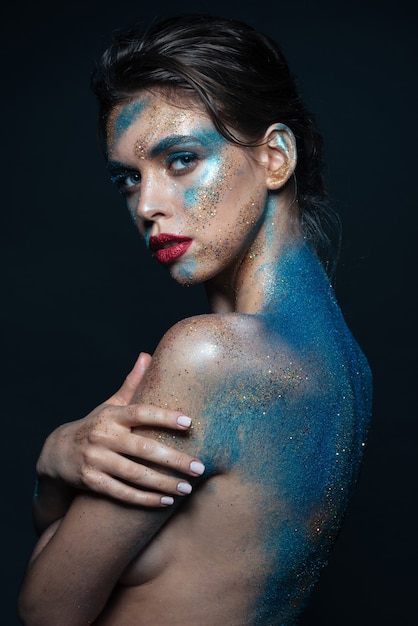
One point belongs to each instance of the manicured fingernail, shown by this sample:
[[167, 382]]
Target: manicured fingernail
[[167, 500], [184, 488], [197, 468], [183, 420]]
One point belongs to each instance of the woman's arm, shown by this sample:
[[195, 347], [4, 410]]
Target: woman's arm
[[96, 453], [74, 570], [79, 559]]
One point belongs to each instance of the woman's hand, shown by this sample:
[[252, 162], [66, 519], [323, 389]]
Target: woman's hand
[[91, 453]]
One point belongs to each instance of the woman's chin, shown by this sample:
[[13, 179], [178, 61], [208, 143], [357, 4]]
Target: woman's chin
[[184, 279]]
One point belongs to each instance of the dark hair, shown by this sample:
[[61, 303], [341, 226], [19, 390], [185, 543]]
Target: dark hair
[[243, 80]]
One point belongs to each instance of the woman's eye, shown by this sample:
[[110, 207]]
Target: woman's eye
[[130, 179], [179, 163], [125, 181]]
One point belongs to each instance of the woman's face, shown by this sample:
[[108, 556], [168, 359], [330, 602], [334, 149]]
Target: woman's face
[[197, 199]]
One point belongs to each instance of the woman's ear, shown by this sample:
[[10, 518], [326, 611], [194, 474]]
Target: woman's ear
[[279, 155]]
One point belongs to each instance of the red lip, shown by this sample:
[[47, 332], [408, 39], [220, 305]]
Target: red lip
[[167, 248]]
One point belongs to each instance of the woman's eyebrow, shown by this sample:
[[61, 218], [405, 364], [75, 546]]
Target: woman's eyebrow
[[174, 140], [117, 165], [160, 147]]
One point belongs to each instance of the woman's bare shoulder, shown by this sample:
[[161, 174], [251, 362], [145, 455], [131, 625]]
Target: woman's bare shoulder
[[210, 345], [211, 334], [195, 355]]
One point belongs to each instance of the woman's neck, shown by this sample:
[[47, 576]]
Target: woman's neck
[[245, 286]]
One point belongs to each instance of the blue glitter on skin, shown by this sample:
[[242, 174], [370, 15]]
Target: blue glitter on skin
[[187, 269], [269, 213], [127, 117], [214, 142], [307, 422]]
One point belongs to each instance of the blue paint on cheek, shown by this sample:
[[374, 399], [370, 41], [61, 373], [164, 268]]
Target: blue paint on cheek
[[211, 175], [214, 144], [127, 117], [191, 197]]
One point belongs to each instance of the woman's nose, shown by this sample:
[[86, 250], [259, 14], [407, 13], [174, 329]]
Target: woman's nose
[[153, 202]]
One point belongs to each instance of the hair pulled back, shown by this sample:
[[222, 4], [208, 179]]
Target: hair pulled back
[[242, 79]]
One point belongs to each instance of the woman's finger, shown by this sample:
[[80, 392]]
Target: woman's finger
[[148, 450], [113, 488], [139, 475], [150, 416], [107, 415]]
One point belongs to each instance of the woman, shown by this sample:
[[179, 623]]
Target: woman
[[207, 138]]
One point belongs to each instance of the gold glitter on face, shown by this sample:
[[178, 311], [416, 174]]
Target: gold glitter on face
[[139, 151]]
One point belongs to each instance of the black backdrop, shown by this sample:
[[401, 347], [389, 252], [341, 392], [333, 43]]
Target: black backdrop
[[80, 298]]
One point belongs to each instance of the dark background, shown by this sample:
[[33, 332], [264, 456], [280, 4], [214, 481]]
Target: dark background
[[80, 298]]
